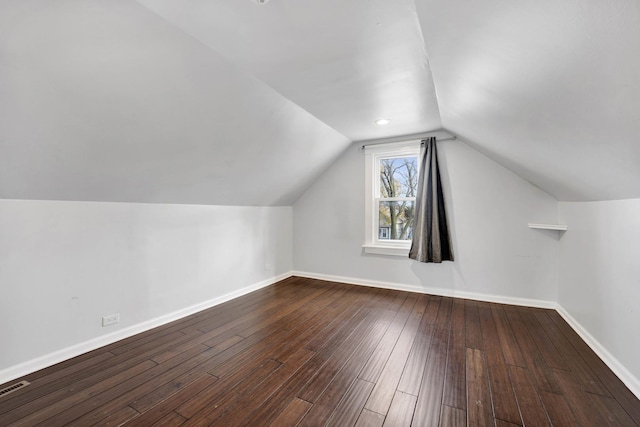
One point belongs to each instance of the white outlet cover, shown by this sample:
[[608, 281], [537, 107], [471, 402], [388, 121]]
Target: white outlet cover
[[111, 319]]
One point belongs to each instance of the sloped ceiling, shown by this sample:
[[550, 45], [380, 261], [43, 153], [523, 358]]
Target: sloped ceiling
[[346, 62], [106, 101], [550, 89], [233, 102]]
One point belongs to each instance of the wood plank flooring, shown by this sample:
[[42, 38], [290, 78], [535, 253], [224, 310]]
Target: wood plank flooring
[[311, 353]]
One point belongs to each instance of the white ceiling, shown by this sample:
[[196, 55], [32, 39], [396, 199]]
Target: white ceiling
[[231, 102], [346, 62], [549, 88]]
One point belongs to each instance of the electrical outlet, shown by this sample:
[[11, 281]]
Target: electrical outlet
[[110, 319], [268, 267]]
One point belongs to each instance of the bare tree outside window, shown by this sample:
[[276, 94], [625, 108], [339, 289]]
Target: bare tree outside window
[[398, 185]]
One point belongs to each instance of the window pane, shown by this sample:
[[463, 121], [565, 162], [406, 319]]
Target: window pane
[[396, 220], [399, 177]]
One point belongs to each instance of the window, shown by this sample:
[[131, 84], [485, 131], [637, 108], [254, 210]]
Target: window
[[383, 232], [391, 186]]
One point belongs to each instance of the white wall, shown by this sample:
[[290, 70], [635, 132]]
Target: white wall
[[600, 275], [64, 265], [489, 208]]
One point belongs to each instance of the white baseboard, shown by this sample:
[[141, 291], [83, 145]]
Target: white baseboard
[[431, 291], [17, 371], [614, 364], [630, 380], [22, 369]]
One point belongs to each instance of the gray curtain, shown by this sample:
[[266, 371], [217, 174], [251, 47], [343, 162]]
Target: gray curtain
[[431, 240]]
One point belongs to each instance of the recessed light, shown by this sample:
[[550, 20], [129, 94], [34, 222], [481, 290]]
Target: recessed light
[[383, 122], [261, 1]]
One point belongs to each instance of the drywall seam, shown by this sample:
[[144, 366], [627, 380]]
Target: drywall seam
[[630, 380], [22, 369], [527, 302]]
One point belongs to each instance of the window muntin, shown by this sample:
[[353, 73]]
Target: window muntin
[[396, 195], [391, 187]]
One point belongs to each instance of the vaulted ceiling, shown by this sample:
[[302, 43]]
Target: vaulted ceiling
[[549, 88], [239, 103]]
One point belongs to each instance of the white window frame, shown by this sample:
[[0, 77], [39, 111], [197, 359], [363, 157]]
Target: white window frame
[[373, 155]]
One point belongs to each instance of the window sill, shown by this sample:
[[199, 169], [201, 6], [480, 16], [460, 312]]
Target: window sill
[[386, 250]]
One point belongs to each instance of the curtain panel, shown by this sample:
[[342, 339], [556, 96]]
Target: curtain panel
[[431, 238]]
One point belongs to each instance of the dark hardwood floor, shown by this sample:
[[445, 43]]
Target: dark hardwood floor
[[307, 352]]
